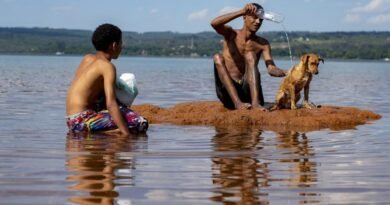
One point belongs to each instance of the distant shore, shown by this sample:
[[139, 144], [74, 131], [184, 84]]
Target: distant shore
[[287, 58], [330, 45]]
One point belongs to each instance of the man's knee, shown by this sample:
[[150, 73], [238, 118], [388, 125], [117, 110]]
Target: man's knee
[[250, 58], [218, 59]]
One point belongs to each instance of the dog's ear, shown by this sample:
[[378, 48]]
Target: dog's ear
[[322, 60], [305, 58]]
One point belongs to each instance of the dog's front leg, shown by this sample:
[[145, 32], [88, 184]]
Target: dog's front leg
[[293, 97], [306, 103]]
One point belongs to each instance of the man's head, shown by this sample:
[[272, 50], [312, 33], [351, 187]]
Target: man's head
[[252, 21], [108, 38]]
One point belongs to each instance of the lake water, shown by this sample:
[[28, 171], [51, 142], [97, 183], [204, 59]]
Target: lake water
[[172, 165]]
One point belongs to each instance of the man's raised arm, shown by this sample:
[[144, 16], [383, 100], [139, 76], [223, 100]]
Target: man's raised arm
[[219, 22]]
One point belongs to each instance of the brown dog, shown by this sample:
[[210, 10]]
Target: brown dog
[[298, 78]]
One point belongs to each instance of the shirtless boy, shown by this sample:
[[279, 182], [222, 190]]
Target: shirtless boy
[[237, 77], [96, 77]]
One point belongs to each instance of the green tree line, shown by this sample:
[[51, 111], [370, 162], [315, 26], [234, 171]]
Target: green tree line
[[339, 45]]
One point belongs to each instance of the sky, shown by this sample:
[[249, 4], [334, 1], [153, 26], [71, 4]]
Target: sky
[[193, 16]]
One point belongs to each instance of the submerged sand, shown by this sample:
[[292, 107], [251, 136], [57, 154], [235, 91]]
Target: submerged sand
[[213, 113]]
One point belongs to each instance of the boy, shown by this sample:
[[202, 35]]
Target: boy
[[96, 77]]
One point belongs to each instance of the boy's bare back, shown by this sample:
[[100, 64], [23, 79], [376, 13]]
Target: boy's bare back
[[88, 83]]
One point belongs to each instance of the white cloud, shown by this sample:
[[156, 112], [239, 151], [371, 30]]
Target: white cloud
[[352, 18], [380, 19], [373, 6], [228, 9], [261, 2], [196, 15], [153, 11], [374, 12]]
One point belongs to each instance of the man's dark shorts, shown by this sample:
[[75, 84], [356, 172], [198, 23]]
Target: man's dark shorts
[[242, 88]]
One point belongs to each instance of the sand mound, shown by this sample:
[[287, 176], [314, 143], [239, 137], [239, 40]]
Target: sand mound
[[213, 113]]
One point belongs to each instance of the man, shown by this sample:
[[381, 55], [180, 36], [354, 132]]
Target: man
[[94, 78], [237, 76]]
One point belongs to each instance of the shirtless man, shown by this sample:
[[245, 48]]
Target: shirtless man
[[96, 77], [237, 76]]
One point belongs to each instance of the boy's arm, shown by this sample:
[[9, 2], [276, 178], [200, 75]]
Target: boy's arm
[[109, 75]]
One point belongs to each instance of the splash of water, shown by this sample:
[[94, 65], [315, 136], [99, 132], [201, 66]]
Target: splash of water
[[288, 42], [276, 18]]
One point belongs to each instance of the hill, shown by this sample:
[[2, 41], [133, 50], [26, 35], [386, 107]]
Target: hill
[[341, 45]]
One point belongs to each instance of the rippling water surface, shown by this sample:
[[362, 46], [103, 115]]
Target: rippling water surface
[[40, 164]]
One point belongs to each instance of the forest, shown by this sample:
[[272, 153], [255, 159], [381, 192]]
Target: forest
[[336, 45]]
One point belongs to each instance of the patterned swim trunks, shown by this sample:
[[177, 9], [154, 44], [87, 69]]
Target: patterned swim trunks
[[92, 121]]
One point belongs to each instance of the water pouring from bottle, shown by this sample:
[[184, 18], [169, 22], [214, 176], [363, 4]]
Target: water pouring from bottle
[[277, 18]]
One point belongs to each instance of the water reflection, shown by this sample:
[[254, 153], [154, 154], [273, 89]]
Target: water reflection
[[243, 173], [299, 169], [298, 155], [239, 175], [95, 169]]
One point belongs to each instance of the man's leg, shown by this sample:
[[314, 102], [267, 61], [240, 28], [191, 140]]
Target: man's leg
[[260, 90], [252, 78], [227, 82], [247, 93], [221, 91]]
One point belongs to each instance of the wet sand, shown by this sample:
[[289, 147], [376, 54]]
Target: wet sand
[[213, 113]]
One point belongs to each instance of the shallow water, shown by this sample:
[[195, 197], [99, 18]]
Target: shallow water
[[40, 164]]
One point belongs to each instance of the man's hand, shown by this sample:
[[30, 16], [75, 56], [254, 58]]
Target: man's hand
[[273, 70], [249, 9]]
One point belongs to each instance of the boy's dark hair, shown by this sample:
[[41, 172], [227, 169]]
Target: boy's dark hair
[[104, 35]]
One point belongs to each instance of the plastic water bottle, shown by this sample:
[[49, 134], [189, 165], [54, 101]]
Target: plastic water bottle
[[129, 79], [270, 16], [126, 88]]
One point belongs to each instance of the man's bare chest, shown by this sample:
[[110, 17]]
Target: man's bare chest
[[246, 46]]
